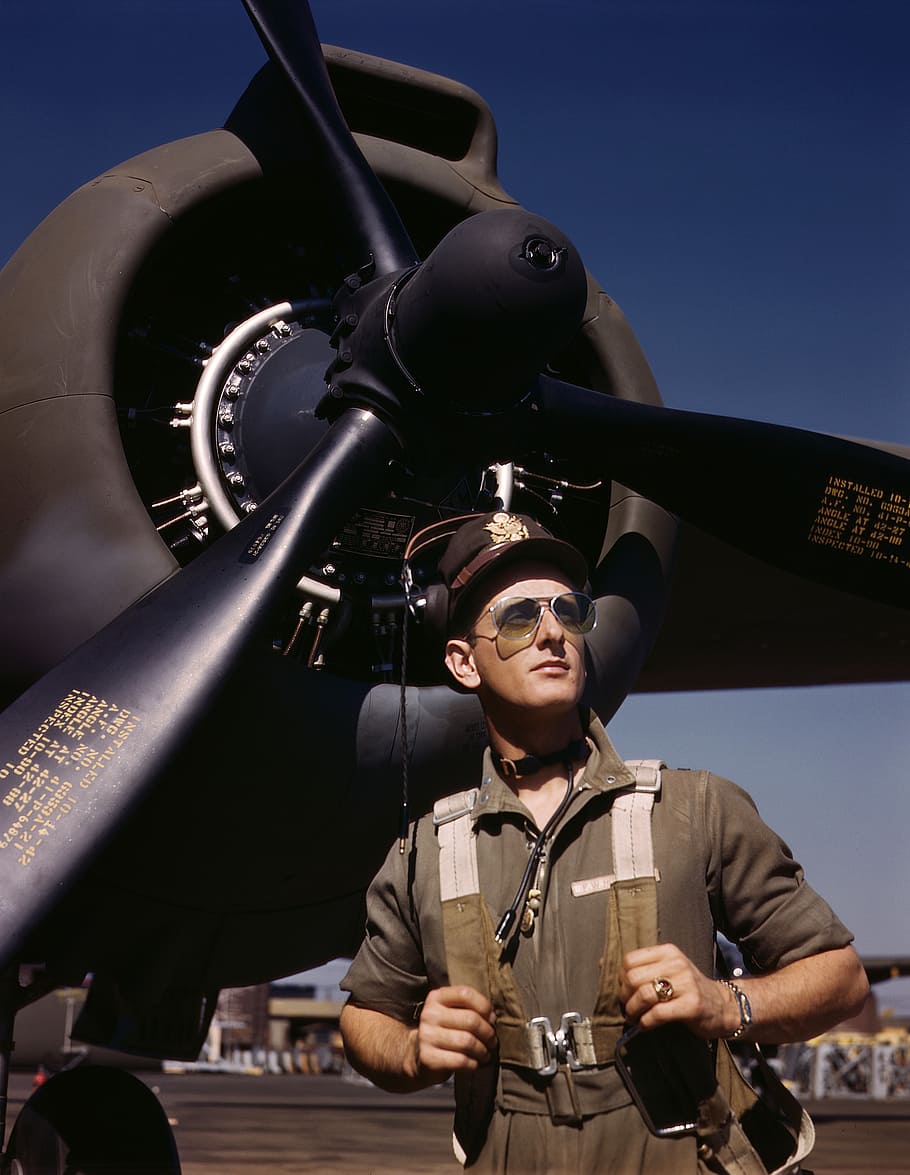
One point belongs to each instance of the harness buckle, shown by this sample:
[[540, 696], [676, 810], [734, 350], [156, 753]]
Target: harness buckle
[[543, 1046], [578, 1040], [572, 1044]]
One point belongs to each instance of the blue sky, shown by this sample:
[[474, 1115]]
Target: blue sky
[[736, 176]]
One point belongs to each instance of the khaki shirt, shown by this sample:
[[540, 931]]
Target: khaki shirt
[[721, 868]]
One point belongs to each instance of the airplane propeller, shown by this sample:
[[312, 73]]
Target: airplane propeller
[[444, 353], [821, 506], [369, 219]]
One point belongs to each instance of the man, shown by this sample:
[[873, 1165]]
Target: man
[[569, 896]]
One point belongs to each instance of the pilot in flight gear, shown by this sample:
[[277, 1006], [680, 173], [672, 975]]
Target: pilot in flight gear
[[548, 915]]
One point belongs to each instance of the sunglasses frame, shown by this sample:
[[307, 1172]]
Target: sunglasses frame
[[543, 603]]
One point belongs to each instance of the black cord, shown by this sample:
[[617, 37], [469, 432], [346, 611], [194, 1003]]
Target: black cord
[[405, 806], [507, 922]]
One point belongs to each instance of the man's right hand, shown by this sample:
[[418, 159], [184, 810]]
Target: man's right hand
[[455, 1032]]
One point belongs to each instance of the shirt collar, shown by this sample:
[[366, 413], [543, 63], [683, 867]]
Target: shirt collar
[[604, 772]]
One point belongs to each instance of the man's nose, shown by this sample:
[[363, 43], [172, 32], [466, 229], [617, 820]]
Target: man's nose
[[549, 628]]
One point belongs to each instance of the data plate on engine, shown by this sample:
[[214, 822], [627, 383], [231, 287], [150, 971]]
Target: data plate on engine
[[376, 533]]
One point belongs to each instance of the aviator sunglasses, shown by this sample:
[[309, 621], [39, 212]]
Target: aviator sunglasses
[[517, 617]]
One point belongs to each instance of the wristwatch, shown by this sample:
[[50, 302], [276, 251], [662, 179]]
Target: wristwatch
[[745, 1009]]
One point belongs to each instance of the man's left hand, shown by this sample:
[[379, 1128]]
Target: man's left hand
[[706, 1006]]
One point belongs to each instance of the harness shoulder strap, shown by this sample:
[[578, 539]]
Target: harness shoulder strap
[[457, 848], [633, 851], [632, 904], [633, 923]]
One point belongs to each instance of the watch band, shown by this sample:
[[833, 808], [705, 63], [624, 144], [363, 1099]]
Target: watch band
[[745, 1009]]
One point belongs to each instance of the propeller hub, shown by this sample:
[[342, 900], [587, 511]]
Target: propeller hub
[[541, 253], [467, 331], [500, 296]]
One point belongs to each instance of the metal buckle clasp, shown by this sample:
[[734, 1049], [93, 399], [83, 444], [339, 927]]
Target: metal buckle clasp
[[570, 1045], [543, 1045], [578, 1041]]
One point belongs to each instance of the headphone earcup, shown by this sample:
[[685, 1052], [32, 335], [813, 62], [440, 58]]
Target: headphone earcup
[[435, 625], [435, 614]]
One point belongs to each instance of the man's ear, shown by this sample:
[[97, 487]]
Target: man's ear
[[460, 663]]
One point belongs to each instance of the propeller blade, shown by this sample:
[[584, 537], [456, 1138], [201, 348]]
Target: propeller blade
[[79, 749], [368, 216], [831, 510]]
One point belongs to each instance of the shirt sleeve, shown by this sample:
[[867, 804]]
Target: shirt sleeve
[[388, 974], [764, 903]]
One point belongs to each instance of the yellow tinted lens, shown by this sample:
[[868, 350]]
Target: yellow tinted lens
[[574, 611], [515, 617]]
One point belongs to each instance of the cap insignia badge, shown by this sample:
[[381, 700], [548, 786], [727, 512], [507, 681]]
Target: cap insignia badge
[[506, 528]]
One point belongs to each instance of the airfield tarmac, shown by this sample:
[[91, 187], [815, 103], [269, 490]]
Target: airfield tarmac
[[237, 1125]]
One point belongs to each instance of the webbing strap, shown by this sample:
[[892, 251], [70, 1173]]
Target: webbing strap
[[722, 1139], [515, 1047], [805, 1142], [457, 845], [633, 851]]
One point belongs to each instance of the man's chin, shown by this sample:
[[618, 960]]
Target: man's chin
[[563, 697]]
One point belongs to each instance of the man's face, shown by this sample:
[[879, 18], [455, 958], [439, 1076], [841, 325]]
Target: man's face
[[544, 671]]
